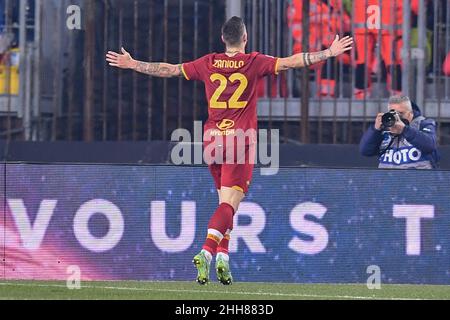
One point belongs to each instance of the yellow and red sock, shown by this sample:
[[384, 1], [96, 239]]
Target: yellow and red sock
[[224, 244], [219, 224]]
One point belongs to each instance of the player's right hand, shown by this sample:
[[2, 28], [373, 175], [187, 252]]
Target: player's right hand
[[123, 61], [378, 121]]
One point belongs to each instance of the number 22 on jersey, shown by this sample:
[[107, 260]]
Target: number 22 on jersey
[[234, 102]]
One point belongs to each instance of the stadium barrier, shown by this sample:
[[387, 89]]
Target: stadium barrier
[[160, 152], [303, 225]]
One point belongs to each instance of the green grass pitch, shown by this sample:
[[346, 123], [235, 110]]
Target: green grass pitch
[[124, 290]]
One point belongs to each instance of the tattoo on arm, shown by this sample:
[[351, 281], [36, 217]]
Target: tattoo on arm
[[163, 70], [316, 57], [301, 60], [305, 63]]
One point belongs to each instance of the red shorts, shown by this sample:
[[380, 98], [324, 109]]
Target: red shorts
[[237, 175]]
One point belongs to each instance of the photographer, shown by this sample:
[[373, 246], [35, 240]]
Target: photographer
[[402, 138]]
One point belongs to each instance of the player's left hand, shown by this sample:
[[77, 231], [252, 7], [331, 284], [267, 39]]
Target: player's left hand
[[341, 46], [399, 126]]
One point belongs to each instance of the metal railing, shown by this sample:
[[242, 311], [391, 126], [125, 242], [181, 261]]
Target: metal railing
[[415, 68], [67, 91]]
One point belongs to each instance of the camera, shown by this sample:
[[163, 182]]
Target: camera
[[389, 119]]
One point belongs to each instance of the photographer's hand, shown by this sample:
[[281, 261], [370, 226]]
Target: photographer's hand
[[378, 122], [399, 126]]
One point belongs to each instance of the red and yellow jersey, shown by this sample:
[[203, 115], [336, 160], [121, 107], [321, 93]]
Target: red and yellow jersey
[[231, 88]]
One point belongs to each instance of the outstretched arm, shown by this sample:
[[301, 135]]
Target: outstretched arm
[[160, 69], [301, 60]]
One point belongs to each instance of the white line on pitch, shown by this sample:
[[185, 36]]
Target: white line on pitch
[[218, 292]]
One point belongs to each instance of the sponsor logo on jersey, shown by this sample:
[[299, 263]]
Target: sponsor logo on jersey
[[225, 128], [225, 124]]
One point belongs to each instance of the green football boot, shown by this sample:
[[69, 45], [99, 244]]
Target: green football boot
[[223, 272], [201, 263]]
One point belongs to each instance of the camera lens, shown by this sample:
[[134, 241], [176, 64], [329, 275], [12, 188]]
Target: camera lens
[[389, 119]]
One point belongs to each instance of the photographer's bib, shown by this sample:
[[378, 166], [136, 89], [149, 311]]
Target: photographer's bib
[[398, 153]]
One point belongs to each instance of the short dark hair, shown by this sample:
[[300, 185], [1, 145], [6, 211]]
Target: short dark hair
[[233, 30]]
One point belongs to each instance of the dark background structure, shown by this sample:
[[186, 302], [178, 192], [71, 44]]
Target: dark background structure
[[69, 94]]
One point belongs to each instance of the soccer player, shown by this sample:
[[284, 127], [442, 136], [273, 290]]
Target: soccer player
[[230, 80]]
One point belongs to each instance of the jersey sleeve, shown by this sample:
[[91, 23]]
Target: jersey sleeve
[[194, 70], [266, 65]]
